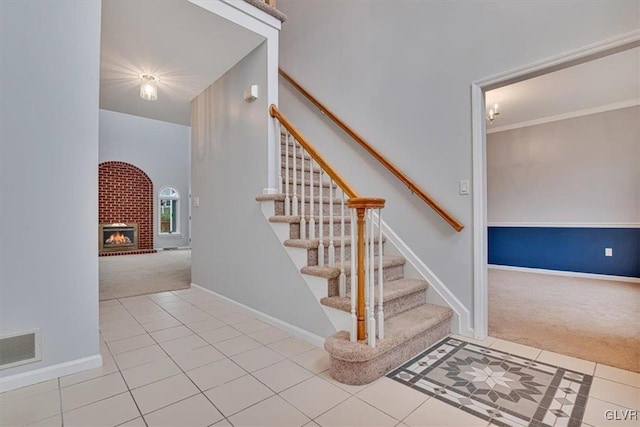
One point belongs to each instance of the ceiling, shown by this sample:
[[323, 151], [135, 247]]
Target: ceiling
[[184, 45], [608, 80]]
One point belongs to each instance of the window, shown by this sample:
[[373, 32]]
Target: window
[[169, 198]]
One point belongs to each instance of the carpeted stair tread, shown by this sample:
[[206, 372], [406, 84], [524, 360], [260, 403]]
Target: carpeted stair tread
[[325, 184], [313, 244], [333, 272], [293, 219], [307, 199], [316, 168], [393, 290], [259, 4], [398, 330], [299, 155]]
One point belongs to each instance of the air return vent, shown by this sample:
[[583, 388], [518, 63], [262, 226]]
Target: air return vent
[[18, 349]]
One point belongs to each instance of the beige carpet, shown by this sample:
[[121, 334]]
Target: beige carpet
[[597, 320], [130, 275]]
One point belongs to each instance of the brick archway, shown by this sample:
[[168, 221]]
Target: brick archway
[[125, 194]]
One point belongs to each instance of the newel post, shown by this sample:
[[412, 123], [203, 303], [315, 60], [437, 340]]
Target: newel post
[[361, 205]]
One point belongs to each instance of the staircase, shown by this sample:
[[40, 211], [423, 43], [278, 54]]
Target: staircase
[[404, 323]]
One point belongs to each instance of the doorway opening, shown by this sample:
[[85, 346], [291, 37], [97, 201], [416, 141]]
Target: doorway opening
[[489, 229]]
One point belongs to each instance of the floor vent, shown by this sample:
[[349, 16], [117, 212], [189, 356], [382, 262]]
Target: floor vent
[[21, 348]]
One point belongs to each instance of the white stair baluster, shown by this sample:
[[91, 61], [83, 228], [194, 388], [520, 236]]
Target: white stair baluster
[[303, 221], [354, 269], [367, 275], [294, 199], [287, 200], [380, 288], [372, 297], [280, 159], [342, 286], [332, 249], [321, 223], [312, 219]]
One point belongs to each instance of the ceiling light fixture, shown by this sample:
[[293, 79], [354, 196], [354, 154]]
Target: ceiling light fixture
[[149, 87], [493, 113]]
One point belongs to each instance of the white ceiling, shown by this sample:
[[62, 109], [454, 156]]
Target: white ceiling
[[608, 80], [187, 47]]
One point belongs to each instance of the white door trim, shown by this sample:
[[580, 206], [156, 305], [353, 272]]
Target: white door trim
[[478, 89]]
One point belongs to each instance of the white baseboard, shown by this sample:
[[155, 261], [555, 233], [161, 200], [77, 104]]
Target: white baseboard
[[176, 248], [296, 331], [566, 273], [35, 376], [462, 316]]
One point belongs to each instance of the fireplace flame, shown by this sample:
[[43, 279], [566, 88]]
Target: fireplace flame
[[117, 238]]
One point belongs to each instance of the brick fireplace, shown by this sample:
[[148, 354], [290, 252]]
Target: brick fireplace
[[125, 197]]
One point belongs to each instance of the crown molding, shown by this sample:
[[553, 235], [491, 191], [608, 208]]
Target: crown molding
[[565, 116]]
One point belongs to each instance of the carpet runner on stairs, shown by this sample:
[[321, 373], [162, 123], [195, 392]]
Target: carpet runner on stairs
[[411, 325]]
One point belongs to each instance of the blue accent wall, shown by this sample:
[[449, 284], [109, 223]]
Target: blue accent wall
[[567, 249]]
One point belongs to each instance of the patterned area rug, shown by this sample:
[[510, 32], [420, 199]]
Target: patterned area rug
[[502, 388]]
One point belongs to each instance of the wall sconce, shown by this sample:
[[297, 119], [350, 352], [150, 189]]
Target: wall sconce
[[251, 93], [149, 87], [493, 113]]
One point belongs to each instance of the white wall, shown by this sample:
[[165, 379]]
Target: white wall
[[49, 74], [161, 150], [400, 74], [580, 170], [235, 251]]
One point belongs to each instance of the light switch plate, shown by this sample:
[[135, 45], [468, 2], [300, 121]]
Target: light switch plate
[[608, 251], [463, 187]]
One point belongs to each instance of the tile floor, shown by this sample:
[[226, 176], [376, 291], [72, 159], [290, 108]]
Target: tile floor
[[186, 358]]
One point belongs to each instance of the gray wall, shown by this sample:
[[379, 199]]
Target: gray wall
[[585, 169], [234, 249], [400, 74], [161, 150], [49, 72]]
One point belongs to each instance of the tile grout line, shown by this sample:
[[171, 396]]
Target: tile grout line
[[96, 401], [275, 393], [248, 374], [60, 398], [184, 373], [122, 376], [418, 407], [127, 391]]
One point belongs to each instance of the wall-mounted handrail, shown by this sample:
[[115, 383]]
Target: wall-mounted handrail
[[457, 225]]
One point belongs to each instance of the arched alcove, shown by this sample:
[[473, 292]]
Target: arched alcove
[[126, 196]]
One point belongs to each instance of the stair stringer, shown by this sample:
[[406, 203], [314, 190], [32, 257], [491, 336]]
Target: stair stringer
[[339, 319], [438, 293]]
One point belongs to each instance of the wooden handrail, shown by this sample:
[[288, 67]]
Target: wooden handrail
[[366, 203], [457, 225], [342, 183]]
